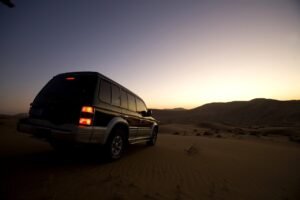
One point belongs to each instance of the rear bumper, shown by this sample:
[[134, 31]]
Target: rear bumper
[[43, 129]]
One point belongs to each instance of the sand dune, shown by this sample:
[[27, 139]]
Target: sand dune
[[267, 112], [178, 167]]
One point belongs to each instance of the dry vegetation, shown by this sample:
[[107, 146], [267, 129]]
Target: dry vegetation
[[260, 118], [225, 131]]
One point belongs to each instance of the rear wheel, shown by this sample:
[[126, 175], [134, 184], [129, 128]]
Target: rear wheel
[[115, 144], [153, 139]]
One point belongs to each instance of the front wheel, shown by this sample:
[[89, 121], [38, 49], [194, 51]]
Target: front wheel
[[153, 139], [115, 145]]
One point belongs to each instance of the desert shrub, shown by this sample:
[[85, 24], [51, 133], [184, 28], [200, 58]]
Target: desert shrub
[[176, 133], [207, 133], [294, 139], [219, 136], [238, 131], [279, 131], [195, 130], [198, 134], [265, 134], [254, 133]]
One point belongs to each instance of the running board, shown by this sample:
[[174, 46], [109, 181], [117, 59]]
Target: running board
[[138, 140]]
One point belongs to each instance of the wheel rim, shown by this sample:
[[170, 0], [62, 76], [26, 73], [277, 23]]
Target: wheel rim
[[116, 146]]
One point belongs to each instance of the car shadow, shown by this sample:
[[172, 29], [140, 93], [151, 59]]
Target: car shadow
[[88, 156]]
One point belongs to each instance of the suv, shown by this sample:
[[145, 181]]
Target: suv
[[87, 107]]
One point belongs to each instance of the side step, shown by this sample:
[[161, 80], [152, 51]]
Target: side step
[[138, 140]]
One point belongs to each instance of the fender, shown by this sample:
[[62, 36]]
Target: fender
[[155, 125], [112, 124]]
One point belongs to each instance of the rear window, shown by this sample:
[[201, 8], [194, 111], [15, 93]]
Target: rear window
[[72, 89], [115, 95], [105, 91], [124, 100]]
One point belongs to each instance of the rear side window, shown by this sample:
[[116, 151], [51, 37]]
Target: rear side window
[[71, 89], [105, 91], [115, 95], [140, 105], [131, 102], [124, 100]]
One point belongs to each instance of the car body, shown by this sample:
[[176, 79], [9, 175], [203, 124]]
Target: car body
[[87, 107]]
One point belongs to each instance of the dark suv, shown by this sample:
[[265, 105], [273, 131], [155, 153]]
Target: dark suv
[[87, 107]]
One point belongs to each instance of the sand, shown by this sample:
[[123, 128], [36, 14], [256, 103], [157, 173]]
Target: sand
[[178, 167]]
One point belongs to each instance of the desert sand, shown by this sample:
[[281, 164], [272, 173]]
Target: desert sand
[[178, 167]]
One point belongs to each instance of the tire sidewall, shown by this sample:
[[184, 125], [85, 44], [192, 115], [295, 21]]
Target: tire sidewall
[[153, 140], [109, 145]]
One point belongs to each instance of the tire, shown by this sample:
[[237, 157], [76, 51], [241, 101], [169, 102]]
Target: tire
[[115, 144], [153, 139]]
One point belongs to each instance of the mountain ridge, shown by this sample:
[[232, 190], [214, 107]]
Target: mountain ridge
[[257, 111]]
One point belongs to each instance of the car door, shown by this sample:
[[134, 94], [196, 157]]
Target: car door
[[145, 124], [129, 113]]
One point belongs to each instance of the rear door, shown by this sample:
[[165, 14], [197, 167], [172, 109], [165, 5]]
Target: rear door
[[129, 115], [61, 99]]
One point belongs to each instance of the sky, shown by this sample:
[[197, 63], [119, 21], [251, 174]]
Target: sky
[[172, 53]]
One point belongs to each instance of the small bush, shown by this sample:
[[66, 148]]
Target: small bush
[[207, 133], [238, 131], [254, 133], [294, 139]]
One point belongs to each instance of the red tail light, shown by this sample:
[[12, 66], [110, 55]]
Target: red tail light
[[86, 115], [85, 121]]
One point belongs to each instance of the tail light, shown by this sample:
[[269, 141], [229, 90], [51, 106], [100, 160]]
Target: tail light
[[85, 121], [86, 115], [87, 109]]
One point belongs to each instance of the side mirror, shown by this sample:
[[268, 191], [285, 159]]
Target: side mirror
[[147, 113]]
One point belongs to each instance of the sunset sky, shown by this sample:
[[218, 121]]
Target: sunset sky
[[171, 53]]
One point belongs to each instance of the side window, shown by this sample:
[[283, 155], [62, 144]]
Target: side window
[[105, 91], [115, 95], [131, 102], [140, 105], [124, 101]]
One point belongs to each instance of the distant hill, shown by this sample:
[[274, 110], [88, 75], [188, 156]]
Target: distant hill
[[254, 112]]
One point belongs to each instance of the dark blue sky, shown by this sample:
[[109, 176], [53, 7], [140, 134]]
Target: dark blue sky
[[150, 47]]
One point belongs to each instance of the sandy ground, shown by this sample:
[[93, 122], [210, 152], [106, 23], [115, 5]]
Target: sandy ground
[[178, 167]]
